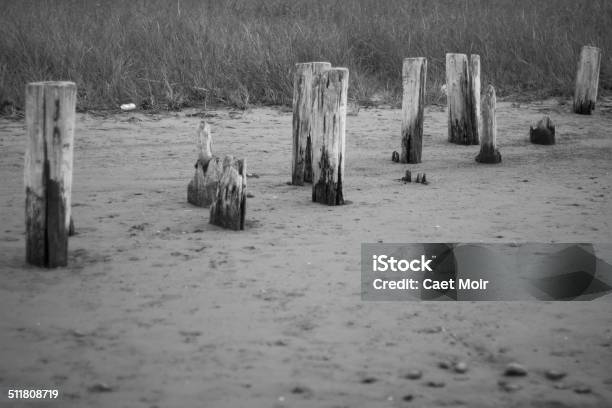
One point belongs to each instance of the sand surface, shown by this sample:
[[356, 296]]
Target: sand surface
[[165, 310]]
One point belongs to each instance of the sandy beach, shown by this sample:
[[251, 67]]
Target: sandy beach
[[158, 308]]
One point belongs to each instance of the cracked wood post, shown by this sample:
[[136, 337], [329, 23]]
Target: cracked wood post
[[301, 160], [587, 80], [50, 117], [543, 133], [329, 131], [228, 208], [475, 97], [488, 145], [460, 101], [203, 187], [414, 77]]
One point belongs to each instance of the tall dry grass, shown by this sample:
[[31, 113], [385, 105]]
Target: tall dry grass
[[173, 53]]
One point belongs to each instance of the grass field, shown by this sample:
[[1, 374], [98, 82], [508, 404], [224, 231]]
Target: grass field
[[170, 54]]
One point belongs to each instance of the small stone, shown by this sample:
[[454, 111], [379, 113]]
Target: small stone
[[445, 365], [435, 384], [555, 375], [369, 380], [431, 330], [78, 334], [508, 386], [413, 375], [461, 367], [515, 370], [408, 397], [582, 389], [301, 390], [100, 387]]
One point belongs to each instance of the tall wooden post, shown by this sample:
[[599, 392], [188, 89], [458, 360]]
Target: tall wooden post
[[587, 80], [488, 144], [301, 158], [414, 77], [50, 117], [328, 133], [460, 88], [475, 97]]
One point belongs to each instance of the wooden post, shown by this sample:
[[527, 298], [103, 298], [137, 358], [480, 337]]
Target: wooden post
[[204, 142], [488, 146], [50, 117], [202, 188], [587, 80], [414, 77], [301, 160], [460, 88], [228, 208], [328, 133], [543, 133], [475, 97]]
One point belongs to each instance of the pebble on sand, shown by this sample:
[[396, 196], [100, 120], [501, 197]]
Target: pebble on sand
[[555, 375], [302, 390], [582, 389], [461, 367], [435, 384], [413, 375], [100, 387], [515, 370], [508, 386], [445, 365]]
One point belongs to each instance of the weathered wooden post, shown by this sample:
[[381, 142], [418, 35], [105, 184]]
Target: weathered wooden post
[[414, 77], [460, 86], [301, 158], [50, 117], [328, 133], [543, 133], [475, 96], [488, 144], [587, 80], [228, 208], [208, 170]]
